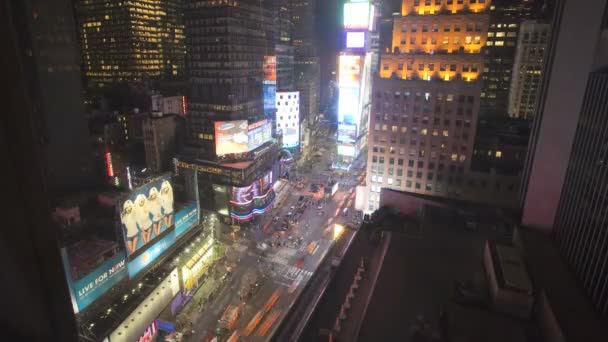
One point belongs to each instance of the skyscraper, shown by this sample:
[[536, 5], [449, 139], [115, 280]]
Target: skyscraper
[[306, 61], [228, 140], [48, 39], [564, 193], [527, 70], [505, 19], [129, 41], [426, 100]]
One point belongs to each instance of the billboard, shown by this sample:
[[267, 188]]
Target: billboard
[[87, 289], [349, 71], [270, 69], [355, 40], [356, 15], [259, 133], [255, 198], [346, 150], [143, 260], [288, 117], [347, 133], [270, 95], [186, 218], [348, 106], [146, 212], [231, 137]]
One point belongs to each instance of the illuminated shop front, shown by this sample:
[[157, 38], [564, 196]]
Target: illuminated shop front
[[254, 199], [198, 264]]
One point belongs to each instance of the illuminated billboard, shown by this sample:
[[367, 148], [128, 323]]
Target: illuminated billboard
[[231, 137], [259, 133], [356, 15], [288, 117], [270, 69], [146, 258], [186, 218], [349, 71], [270, 95], [256, 198], [355, 40], [347, 133], [91, 286], [348, 105], [346, 150], [146, 212]]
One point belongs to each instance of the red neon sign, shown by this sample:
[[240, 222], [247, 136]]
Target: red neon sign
[[109, 167]]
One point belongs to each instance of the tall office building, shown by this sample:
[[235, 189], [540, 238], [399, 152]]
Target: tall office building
[[228, 138], [505, 19], [49, 41], [307, 71], [131, 41], [426, 100], [565, 188], [527, 70]]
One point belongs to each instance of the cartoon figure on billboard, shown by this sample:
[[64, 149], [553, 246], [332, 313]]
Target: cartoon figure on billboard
[[166, 200], [127, 216], [142, 216], [154, 205]]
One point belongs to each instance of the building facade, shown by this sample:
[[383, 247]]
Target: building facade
[[527, 70], [226, 131], [131, 41], [426, 102], [505, 19], [160, 142]]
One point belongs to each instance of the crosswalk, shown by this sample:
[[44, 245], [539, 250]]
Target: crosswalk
[[290, 272]]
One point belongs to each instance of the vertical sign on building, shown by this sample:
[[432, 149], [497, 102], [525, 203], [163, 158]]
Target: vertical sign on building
[[270, 84]]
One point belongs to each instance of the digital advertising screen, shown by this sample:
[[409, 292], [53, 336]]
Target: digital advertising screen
[[288, 117], [346, 150], [253, 199], [146, 212], [270, 69], [143, 260], [355, 40], [231, 137], [91, 286], [347, 133], [186, 218], [270, 98], [348, 105], [356, 15], [349, 71], [259, 134]]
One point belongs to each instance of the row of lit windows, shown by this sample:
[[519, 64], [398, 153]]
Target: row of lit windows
[[446, 40], [470, 27]]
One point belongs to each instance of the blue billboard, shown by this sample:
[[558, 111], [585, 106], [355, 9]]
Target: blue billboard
[[87, 289], [270, 95], [149, 255], [146, 212], [186, 218]]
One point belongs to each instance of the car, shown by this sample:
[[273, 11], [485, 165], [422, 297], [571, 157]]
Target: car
[[289, 213], [320, 207], [292, 207], [262, 246]]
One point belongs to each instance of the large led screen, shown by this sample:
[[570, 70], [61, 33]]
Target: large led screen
[[146, 258], [349, 71], [255, 198], [355, 40], [91, 286], [346, 150], [348, 105], [347, 133], [231, 137], [146, 212], [186, 218], [270, 69], [356, 15], [259, 133], [288, 117], [270, 98]]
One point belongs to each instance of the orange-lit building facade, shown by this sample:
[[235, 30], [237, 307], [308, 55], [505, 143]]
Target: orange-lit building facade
[[425, 105]]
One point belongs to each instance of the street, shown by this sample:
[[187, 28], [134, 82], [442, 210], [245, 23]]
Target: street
[[272, 266]]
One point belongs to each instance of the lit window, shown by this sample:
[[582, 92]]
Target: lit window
[[394, 129], [424, 131], [462, 158], [499, 43], [500, 34], [498, 154], [454, 156], [445, 133]]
